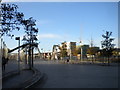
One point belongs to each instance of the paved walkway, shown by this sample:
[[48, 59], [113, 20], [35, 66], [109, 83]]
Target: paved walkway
[[12, 65], [77, 75], [17, 79], [60, 75]]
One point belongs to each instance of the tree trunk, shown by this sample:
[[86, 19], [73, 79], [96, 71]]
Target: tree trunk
[[32, 56], [29, 59]]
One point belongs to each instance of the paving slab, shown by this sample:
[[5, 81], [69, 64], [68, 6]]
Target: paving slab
[[14, 81]]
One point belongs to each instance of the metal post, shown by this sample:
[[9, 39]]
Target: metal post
[[42, 53], [1, 48], [81, 53], [81, 50], [26, 56], [18, 38], [19, 55], [3, 51], [32, 53], [0, 65], [1, 58]]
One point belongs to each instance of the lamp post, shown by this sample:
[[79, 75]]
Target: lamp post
[[81, 50], [42, 53], [81, 53], [32, 52], [18, 38], [1, 48], [1, 55]]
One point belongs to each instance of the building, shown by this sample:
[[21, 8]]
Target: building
[[82, 51], [71, 50], [56, 52], [47, 55]]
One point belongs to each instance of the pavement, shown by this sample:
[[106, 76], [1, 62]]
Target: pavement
[[60, 75], [13, 79]]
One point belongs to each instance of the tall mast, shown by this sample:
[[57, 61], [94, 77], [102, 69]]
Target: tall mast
[[81, 42]]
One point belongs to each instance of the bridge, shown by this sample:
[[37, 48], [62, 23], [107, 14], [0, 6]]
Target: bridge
[[23, 46]]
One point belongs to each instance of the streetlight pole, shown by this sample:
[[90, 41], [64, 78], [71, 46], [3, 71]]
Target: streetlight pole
[[18, 38], [32, 52], [1, 48], [42, 53], [81, 50], [1, 64], [81, 53]]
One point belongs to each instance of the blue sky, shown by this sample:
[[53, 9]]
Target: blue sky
[[69, 21]]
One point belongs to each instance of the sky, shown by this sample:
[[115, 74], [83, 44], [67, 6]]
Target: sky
[[69, 21], [60, 0]]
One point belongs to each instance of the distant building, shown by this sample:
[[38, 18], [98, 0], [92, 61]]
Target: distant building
[[71, 50], [55, 52], [47, 55], [83, 51]]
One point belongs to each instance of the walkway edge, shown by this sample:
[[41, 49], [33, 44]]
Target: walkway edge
[[10, 74], [33, 80], [37, 77]]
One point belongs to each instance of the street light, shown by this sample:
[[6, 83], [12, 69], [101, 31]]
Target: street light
[[81, 50], [42, 53], [81, 53], [18, 38], [1, 48]]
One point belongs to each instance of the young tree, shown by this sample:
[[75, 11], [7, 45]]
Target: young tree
[[92, 51], [107, 45], [10, 18], [30, 37]]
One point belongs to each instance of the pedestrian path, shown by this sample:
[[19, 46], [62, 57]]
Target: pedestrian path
[[24, 79], [18, 79], [12, 65], [12, 77], [77, 75]]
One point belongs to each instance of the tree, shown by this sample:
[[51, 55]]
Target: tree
[[107, 45], [63, 50], [30, 30], [92, 51], [78, 50], [10, 19], [30, 37]]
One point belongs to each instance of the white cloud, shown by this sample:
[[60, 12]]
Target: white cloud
[[115, 42], [41, 22], [42, 36]]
